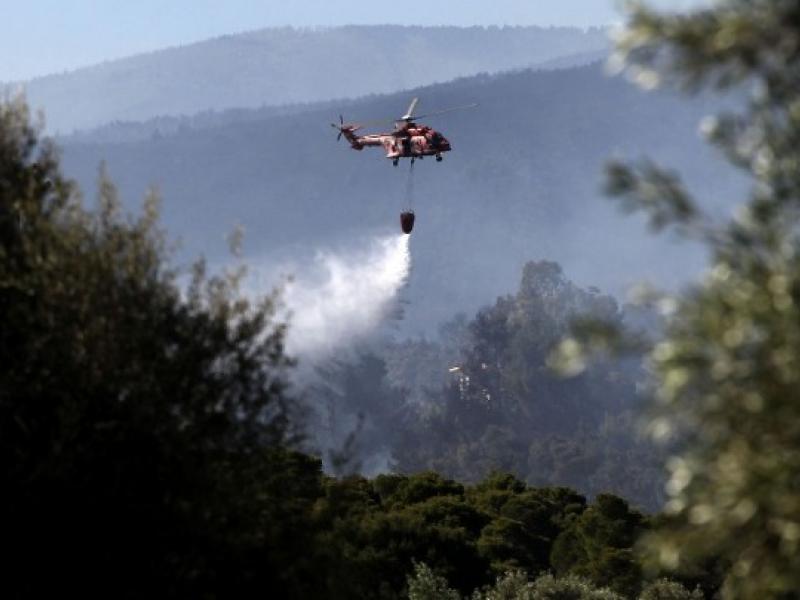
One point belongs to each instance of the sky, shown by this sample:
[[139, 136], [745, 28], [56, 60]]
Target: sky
[[39, 37]]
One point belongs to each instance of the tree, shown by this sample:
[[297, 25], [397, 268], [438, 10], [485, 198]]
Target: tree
[[360, 412], [664, 589], [727, 371], [504, 409], [143, 422], [426, 585], [525, 521], [599, 545], [373, 531], [514, 585]]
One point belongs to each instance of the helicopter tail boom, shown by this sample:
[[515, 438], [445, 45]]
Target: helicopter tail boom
[[349, 133]]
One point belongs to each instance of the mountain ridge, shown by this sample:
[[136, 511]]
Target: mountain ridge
[[161, 125], [282, 66]]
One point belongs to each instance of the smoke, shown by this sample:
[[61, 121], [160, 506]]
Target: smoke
[[343, 296]]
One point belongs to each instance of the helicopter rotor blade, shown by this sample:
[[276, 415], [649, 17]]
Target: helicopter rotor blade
[[361, 124], [446, 110], [340, 128], [409, 116]]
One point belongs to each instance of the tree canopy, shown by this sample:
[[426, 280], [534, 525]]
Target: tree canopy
[[505, 409], [142, 419]]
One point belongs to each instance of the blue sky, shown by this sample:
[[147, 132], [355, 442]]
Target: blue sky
[[38, 37]]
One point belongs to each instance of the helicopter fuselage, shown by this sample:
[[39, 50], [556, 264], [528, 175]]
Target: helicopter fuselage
[[408, 140]]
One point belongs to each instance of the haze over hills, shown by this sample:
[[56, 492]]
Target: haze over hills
[[523, 182], [255, 345], [283, 66]]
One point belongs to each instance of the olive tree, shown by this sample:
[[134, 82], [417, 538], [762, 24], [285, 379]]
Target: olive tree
[[727, 372]]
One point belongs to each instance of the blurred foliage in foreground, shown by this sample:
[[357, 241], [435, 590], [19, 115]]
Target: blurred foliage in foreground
[[728, 370]]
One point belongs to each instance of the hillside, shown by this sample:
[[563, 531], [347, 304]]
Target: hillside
[[283, 66], [523, 182]]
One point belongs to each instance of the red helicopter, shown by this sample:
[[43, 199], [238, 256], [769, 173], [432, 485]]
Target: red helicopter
[[408, 140]]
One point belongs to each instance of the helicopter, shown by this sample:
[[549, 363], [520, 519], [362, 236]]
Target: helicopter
[[407, 140]]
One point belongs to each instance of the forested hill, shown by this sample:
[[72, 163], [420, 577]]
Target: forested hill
[[523, 182], [279, 66]]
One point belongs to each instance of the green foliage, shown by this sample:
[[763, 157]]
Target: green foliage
[[426, 585], [371, 532], [141, 427], [512, 585], [505, 409], [664, 589], [357, 410], [727, 371], [548, 587], [525, 522], [598, 545], [376, 529], [515, 586], [420, 487]]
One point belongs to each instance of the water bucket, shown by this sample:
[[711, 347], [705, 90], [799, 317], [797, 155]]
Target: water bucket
[[407, 221]]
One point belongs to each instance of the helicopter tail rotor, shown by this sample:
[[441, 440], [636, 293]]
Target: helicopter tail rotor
[[345, 129], [340, 127]]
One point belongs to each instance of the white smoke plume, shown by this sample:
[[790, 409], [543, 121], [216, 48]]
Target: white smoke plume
[[342, 296]]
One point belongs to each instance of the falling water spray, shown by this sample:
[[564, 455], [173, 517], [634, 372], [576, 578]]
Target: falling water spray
[[345, 296]]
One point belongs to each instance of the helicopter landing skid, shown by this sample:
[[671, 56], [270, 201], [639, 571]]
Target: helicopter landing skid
[[396, 161]]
